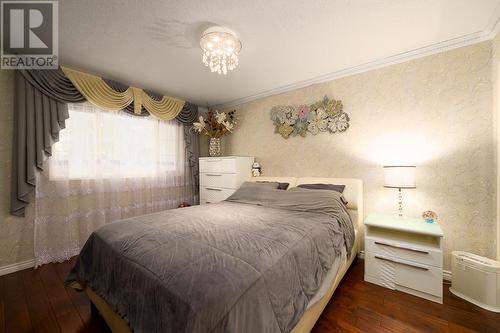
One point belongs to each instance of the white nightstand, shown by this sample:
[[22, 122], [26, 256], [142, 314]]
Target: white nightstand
[[404, 254]]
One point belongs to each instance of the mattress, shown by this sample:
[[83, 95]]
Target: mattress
[[337, 264], [329, 278]]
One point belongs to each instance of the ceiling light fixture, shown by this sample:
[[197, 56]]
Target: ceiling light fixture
[[220, 49]]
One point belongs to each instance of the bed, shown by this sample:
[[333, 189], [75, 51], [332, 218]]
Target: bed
[[115, 315]]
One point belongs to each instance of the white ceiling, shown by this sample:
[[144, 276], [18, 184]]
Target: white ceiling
[[154, 44]]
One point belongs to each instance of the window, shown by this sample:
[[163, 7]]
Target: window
[[105, 144]]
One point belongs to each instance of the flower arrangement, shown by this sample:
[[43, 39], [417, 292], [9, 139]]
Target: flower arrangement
[[217, 123], [322, 116]]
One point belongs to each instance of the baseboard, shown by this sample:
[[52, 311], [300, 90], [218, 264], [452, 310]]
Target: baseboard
[[446, 274], [19, 266]]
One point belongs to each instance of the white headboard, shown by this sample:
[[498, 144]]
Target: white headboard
[[353, 189]]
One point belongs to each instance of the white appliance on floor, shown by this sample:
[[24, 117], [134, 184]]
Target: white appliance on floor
[[476, 279]]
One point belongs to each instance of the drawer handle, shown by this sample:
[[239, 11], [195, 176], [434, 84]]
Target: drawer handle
[[402, 247], [213, 175], [213, 189], [402, 263]]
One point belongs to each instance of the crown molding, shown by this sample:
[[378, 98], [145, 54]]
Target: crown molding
[[493, 26], [489, 32]]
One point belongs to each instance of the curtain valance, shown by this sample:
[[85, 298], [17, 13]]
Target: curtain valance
[[99, 93], [41, 108]]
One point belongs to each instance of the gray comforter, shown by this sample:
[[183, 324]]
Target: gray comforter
[[249, 264]]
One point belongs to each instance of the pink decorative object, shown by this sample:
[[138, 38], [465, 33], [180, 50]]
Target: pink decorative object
[[304, 111]]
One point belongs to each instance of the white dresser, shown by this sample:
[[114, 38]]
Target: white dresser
[[404, 254], [221, 176]]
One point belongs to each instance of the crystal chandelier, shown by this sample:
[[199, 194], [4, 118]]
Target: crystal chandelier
[[220, 49]]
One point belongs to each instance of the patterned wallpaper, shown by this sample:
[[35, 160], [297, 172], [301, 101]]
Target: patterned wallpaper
[[435, 112], [16, 234], [496, 112]]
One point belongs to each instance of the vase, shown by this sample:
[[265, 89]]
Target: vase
[[214, 147]]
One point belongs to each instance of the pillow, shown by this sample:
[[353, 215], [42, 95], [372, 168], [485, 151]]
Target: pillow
[[254, 191], [330, 187], [281, 186], [271, 185]]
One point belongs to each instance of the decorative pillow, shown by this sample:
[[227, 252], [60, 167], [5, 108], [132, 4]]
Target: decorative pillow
[[281, 186], [272, 185], [329, 187]]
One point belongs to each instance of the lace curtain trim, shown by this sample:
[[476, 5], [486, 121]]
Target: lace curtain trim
[[43, 256]]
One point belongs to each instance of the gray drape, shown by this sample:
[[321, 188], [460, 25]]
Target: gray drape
[[192, 157], [40, 111], [54, 84], [188, 114]]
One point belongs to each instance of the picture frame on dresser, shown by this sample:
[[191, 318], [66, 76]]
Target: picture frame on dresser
[[222, 176], [405, 254]]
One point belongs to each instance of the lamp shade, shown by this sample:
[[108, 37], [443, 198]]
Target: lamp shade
[[399, 176]]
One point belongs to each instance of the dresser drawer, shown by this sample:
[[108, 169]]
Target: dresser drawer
[[393, 272], [214, 194], [218, 165], [217, 179], [405, 251]]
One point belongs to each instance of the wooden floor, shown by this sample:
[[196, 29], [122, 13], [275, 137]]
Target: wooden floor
[[37, 301]]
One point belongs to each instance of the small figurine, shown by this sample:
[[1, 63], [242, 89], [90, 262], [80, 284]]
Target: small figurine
[[256, 169], [429, 216]]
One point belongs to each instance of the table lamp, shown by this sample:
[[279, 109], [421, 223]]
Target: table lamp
[[400, 177]]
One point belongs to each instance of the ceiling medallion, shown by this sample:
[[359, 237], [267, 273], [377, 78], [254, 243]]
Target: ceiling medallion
[[220, 49]]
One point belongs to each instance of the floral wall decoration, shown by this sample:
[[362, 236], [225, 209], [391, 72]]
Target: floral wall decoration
[[326, 115]]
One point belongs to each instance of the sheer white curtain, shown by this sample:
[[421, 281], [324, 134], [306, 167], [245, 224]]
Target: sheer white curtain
[[106, 166]]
